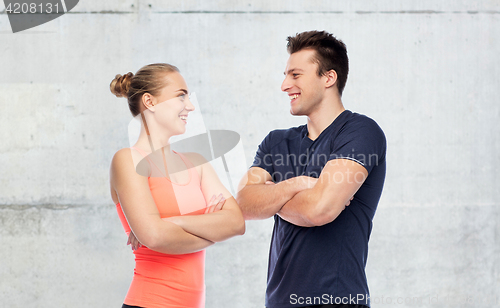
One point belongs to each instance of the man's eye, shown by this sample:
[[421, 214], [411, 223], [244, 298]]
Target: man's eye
[[295, 75]]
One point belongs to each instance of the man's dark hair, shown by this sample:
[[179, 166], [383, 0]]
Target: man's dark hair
[[331, 53]]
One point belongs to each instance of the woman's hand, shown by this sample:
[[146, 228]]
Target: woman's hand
[[132, 240], [215, 204]]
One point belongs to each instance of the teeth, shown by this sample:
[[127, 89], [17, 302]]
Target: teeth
[[183, 117], [294, 96]]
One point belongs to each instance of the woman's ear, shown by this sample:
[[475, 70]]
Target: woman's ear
[[148, 101], [331, 78]]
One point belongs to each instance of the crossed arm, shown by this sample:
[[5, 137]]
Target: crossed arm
[[302, 200], [178, 235], [224, 221]]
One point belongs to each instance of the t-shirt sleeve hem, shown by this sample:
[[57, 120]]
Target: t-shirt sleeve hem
[[349, 158]]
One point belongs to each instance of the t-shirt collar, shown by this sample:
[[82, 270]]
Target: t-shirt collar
[[305, 131]]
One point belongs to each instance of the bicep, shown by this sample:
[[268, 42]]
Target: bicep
[[211, 184], [339, 180]]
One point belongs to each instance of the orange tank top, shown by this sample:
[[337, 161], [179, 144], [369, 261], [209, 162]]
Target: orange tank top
[[163, 280]]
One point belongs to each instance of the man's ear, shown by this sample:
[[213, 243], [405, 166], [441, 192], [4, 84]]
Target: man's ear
[[331, 78], [148, 101]]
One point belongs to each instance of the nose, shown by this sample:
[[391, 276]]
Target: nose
[[286, 84], [188, 105]]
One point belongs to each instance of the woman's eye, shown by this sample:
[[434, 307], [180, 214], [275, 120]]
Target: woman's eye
[[182, 96]]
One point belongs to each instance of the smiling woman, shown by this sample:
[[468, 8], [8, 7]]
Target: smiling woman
[[171, 205]]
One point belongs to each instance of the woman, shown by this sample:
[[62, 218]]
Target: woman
[[171, 203]]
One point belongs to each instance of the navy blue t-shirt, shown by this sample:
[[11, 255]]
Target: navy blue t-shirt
[[327, 262]]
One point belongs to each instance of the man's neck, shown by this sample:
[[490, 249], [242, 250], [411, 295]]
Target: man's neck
[[323, 116]]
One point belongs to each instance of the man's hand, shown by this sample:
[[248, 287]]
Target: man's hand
[[349, 202]]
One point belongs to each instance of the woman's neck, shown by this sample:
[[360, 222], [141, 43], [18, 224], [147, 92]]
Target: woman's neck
[[151, 139]]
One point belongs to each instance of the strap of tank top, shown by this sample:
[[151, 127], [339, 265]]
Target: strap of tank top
[[146, 157], [140, 151], [190, 165]]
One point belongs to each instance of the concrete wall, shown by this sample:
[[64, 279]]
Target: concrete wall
[[427, 72]]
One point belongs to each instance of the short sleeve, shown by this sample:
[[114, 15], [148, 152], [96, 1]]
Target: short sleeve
[[263, 157], [362, 141]]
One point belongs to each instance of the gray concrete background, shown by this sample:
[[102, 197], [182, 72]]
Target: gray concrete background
[[428, 72]]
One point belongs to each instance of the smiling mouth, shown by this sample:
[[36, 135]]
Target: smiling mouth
[[183, 117], [293, 97]]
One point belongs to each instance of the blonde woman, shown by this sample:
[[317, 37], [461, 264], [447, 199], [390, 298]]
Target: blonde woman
[[172, 205]]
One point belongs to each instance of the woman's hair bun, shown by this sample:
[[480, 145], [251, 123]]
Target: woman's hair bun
[[121, 84]]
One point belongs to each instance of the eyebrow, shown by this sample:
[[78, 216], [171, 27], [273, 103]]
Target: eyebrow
[[183, 90], [293, 70]]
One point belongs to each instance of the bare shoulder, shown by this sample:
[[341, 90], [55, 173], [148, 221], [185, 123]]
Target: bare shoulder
[[123, 157], [128, 159]]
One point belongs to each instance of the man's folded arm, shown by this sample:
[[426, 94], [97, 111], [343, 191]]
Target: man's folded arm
[[338, 182], [259, 200]]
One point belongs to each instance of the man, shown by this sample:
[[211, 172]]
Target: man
[[306, 177]]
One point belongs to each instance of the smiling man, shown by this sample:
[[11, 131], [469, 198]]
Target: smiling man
[[321, 181]]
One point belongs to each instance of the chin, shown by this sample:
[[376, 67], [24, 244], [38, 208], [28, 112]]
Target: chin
[[179, 132]]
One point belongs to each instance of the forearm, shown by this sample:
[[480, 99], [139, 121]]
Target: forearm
[[297, 209], [261, 201], [308, 209], [215, 227], [172, 239]]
